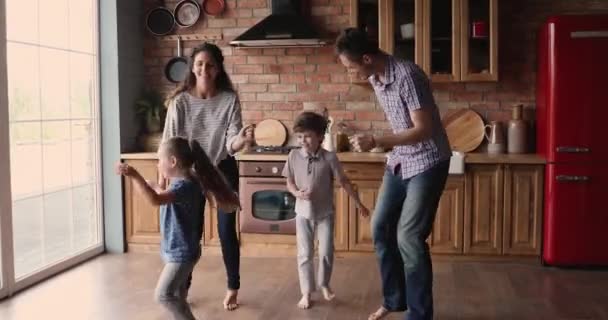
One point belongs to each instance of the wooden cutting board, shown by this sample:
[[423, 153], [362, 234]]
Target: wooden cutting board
[[270, 132], [465, 129]]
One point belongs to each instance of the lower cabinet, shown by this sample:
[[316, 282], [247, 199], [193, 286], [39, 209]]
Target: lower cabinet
[[141, 217], [493, 209]]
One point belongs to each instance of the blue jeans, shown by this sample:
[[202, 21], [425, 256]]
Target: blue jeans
[[226, 226], [401, 223]]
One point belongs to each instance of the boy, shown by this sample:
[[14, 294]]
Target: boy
[[310, 172]]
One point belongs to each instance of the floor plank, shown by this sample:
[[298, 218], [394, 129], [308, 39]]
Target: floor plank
[[121, 287]]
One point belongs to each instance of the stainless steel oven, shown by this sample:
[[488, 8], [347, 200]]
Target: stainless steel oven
[[267, 205]]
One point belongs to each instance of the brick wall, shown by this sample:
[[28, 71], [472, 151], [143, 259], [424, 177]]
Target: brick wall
[[278, 83]]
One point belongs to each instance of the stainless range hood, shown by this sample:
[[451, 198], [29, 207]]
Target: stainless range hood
[[284, 27]]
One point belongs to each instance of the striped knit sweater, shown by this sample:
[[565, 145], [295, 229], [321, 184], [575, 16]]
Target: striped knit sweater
[[214, 122]]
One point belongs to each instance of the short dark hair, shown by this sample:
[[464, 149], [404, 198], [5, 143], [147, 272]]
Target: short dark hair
[[312, 121], [354, 43]]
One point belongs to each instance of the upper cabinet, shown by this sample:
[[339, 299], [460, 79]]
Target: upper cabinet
[[452, 40], [479, 40]]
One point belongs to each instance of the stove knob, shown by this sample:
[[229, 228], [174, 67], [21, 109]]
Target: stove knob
[[275, 170], [258, 169]]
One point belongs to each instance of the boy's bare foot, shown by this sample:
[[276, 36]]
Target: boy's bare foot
[[327, 293], [230, 301], [304, 303], [379, 314]]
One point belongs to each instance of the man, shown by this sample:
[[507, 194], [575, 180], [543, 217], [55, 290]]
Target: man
[[417, 170]]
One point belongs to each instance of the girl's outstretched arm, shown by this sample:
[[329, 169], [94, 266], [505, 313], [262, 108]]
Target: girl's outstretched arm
[[156, 197]]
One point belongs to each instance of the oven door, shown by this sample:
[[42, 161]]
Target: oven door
[[267, 206]]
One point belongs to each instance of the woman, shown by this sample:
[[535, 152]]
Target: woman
[[205, 108]]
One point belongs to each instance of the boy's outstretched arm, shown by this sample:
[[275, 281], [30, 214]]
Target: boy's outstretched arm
[[348, 187]]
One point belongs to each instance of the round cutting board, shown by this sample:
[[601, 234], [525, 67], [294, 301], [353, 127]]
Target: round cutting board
[[465, 129], [270, 132]]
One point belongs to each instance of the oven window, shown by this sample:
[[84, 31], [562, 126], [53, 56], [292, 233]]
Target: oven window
[[274, 205]]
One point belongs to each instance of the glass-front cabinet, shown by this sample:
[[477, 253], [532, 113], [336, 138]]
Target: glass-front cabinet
[[452, 40], [479, 40], [396, 25], [441, 40]]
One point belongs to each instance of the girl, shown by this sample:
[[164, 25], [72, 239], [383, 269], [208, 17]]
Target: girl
[[205, 108], [191, 175]]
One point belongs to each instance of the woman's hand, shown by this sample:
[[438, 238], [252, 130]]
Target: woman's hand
[[246, 134]]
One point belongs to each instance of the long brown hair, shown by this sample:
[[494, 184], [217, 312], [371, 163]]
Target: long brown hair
[[222, 82], [190, 155]]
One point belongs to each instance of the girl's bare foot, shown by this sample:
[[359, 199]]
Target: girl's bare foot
[[379, 314], [327, 293], [304, 302], [230, 301]]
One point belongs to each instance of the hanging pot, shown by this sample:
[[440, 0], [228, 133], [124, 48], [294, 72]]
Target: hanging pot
[[176, 69], [160, 21], [214, 7], [186, 13]]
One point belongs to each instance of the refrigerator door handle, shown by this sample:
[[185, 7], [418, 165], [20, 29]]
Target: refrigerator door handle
[[567, 178], [589, 34], [572, 149]]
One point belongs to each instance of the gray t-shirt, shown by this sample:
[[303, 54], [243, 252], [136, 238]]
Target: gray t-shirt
[[315, 173]]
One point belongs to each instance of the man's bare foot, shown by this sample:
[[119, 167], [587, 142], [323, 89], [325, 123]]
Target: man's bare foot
[[379, 314], [327, 293], [230, 301], [305, 302]]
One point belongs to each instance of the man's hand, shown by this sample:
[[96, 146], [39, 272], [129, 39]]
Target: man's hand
[[362, 142]]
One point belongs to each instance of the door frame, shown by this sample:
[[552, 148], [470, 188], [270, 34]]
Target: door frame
[[6, 236]]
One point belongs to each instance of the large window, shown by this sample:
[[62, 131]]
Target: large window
[[53, 122]]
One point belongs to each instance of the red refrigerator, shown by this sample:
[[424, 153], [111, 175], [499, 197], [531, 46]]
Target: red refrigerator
[[572, 134]]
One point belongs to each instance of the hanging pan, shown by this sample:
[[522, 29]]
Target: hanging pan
[[176, 69], [214, 7], [160, 20], [186, 13]]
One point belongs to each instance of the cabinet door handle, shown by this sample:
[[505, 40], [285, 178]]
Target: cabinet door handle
[[572, 149], [567, 178]]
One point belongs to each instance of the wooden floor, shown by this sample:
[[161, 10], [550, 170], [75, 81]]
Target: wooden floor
[[121, 287]]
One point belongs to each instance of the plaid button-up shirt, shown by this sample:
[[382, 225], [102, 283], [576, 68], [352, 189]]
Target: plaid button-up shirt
[[406, 88]]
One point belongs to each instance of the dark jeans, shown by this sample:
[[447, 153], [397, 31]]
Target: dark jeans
[[401, 223], [226, 226]]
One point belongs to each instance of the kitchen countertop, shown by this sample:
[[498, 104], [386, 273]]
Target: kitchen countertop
[[371, 157]]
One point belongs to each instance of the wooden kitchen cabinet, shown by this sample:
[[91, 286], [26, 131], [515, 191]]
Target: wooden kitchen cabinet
[[503, 209], [211, 236], [447, 233], [341, 220], [483, 221], [382, 20], [443, 41], [360, 234], [523, 201], [479, 40], [141, 217]]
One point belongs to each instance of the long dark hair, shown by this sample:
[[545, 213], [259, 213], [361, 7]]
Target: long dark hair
[[222, 82], [190, 155]]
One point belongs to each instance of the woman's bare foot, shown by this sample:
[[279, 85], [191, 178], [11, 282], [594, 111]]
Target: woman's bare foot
[[327, 293], [379, 314], [305, 302], [230, 301]]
